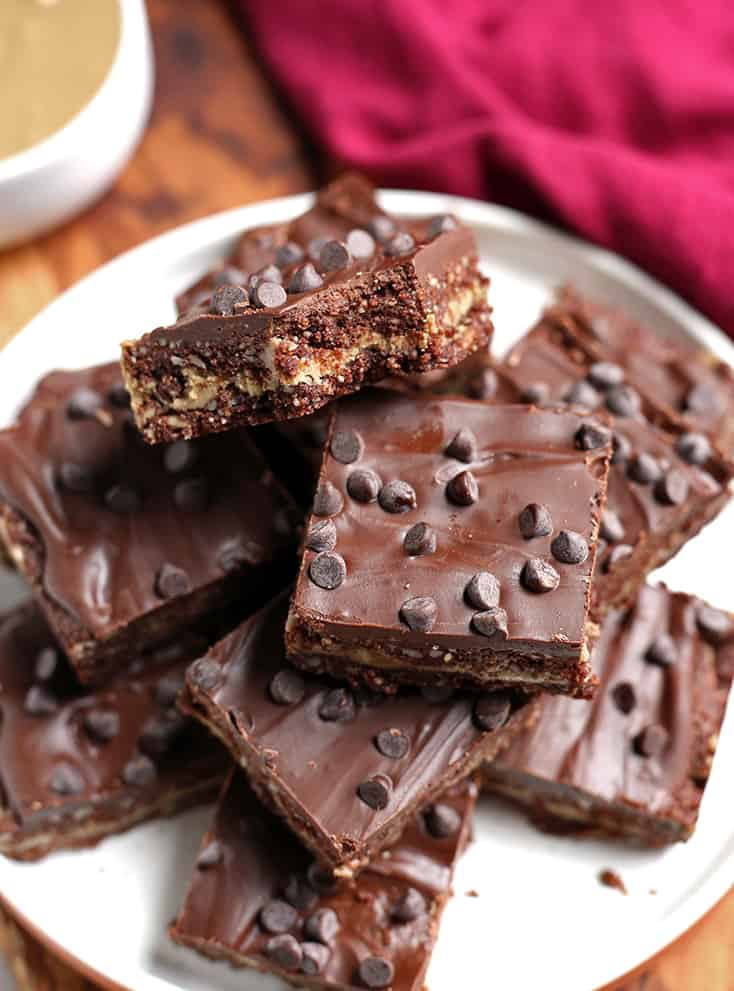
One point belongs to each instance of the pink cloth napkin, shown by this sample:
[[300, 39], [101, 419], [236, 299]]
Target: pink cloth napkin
[[614, 120]]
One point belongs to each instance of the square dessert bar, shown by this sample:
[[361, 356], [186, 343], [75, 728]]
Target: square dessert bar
[[665, 481], [78, 764], [124, 545], [308, 310], [452, 542], [257, 899], [634, 762], [345, 769]]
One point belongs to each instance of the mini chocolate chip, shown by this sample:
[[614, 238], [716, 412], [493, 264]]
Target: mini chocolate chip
[[672, 488], [363, 485], [192, 494], [320, 879], [409, 906], [170, 582], [122, 499], [419, 613], [441, 821], [651, 741], [346, 446], [663, 651], [287, 687], [204, 673], [492, 710], [591, 436], [491, 623], [314, 248], [229, 275], [569, 547], [360, 244], [437, 694], [605, 375], [714, 624], [139, 771], [693, 448], [288, 254], [582, 393], [337, 706], [75, 477], [611, 528], [535, 520], [462, 489], [160, 733], [118, 396], [375, 972], [397, 497], [304, 279], [83, 404], [39, 702], [47, 660], [315, 958], [482, 590], [375, 791], [225, 298], [268, 295], [483, 385], [621, 449], [277, 916], [328, 500], [401, 244], [321, 926], [624, 697], [269, 273], [536, 394], [392, 743], [180, 456], [420, 540], [623, 401], [210, 856], [168, 688], [381, 228], [616, 556], [299, 893], [327, 570], [643, 468], [539, 576], [333, 256], [101, 725], [321, 536], [441, 224], [700, 399], [285, 951], [463, 446], [66, 780]]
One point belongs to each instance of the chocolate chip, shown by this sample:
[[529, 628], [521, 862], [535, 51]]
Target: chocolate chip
[[299, 893], [616, 556], [462, 489], [75, 477], [204, 674], [360, 244], [118, 396], [535, 521], [269, 273], [83, 404], [337, 706], [463, 446], [304, 279], [441, 821], [482, 590], [170, 582], [591, 436], [328, 500], [605, 375], [663, 651], [287, 687], [569, 547], [441, 224], [288, 254], [651, 741], [225, 298], [168, 688], [267, 295], [315, 958], [375, 791], [381, 228], [277, 916], [624, 697], [321, 926], [66, 780], [363, 485], [643, 468], [401, 244], [492, 710], [392, 743], [314, 248], [621, 449], [693, 448], [210, 856], [192, 495], [611, 528], [581, 393], [327, 570], [483, 385], [536, 393], [623, 401], [139, 771], [47, 660], [333, 256], [285, 951], [397, 497], [229, 275], [672, 488], [409, 906], [346, 446], [122, 499], [714, 624], [180, 456], [375, 972], [320, 879], [491, 623], [160, 733], [700, 399], [419, 613], [419, 540], [39, 702], [539, 576], [101, 725], [436, 694], [321, 536]]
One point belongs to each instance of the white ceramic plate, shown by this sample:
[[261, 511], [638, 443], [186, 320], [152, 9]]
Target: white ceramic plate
[[541, 918]]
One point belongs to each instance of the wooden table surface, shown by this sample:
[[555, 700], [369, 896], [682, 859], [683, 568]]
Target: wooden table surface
[[219, 138]]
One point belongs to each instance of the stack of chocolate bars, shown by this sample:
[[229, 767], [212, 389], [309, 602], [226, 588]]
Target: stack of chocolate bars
[[312, 548]]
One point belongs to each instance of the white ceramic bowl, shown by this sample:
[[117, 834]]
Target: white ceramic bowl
[[58, 177]]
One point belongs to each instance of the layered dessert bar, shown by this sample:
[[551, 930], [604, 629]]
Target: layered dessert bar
[[634, 762], [80, 764], [257, 898], [125, 545], [345, 769], [308, 310], [452, 542]]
